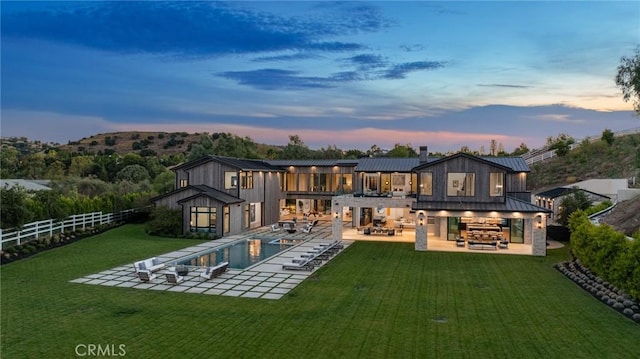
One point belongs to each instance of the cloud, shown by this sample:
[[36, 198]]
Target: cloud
[[412, 48], [366, 62], [294, 57], [185, 28], [400, 71], [504, 85], [271, 79], [557, 118]]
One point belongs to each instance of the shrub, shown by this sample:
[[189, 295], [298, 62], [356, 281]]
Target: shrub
[[165, 222]]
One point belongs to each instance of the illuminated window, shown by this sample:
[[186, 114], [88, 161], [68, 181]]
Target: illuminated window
[[496, 184], [426, 184], [184, 183], [203, 219], [461, 184], [246, 180]]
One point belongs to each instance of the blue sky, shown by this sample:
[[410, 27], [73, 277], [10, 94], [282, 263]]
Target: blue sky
[[442, 74]]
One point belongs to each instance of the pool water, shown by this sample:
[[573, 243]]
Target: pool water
[[241, 254]]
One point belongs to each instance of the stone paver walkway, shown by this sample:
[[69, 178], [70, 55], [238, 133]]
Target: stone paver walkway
[[266, 280]]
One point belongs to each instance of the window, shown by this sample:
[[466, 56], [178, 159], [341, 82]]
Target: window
[[246, 180], [319, 182], [461, 184], [247, 219], [184, 183], [303, 182], [496, 184], [230, 180], [226, 224], [426, 183], [371, 183], [203, 219], [290, 182]]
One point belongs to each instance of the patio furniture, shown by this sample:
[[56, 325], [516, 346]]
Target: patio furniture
[[307, 228], [151, 264], [174, 278], [146, 275], [212, 272], [504, 244], [306, 264], [182, 270], [475, 244], [275, 227], [460, 242]]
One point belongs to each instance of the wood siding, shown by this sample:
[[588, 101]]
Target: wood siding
[[482, 172]]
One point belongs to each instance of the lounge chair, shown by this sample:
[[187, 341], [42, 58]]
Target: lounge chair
[[146, 275], [307, 228], [275, 228], [174, 278], [212, 272]]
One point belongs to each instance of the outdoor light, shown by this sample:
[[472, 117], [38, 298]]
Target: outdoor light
[[337, 215], [539, 221], [421, 219]]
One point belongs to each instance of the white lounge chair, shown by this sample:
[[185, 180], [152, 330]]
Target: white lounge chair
[[146, 275], [174, 278], [307, 228], [275, 227], [212, 272]]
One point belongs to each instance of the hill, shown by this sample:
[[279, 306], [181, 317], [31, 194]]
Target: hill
[[591, 159], [142, 143]]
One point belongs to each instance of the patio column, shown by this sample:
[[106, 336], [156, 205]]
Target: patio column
[[539, 236], [421, 231], [336, 220]]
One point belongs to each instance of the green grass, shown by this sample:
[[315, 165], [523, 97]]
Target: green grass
[[374, 300]]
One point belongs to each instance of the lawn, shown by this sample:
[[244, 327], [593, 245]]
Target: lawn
[[374, 300]]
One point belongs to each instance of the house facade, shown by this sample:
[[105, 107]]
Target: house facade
[[443, 198]]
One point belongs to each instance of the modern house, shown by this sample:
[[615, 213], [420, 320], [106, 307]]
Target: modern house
[[438, 198]]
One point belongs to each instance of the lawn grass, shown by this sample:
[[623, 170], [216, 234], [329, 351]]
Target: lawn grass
[[374, 300]]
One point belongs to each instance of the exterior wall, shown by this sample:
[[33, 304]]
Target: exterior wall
[[171, 201], [211, 173], [516, 182], [606, 187], [462, 165]]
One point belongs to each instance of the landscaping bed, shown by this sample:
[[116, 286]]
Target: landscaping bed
[[602, 290]]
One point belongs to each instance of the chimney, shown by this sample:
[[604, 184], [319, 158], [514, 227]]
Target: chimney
[[424, 154]]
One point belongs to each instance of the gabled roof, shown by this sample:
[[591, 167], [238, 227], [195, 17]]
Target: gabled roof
[[466, 155], [510, 205], [212, 193], [238, 163], [309, 163], [563, 191]]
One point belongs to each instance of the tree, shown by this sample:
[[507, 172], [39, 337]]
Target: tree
[[133, 173], [628, 79], [374, 151], [562, 144], [576, 200], [402, 151], [164, 182], [608, 136], [521, 150], [295, 149], [14, 211]]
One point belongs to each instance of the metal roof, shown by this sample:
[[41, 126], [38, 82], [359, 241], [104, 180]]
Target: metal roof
[[26, 184], [563, 191], [387, 164], [212, 193], [510, 205], [516, 163], [239, 163], [309, 163]]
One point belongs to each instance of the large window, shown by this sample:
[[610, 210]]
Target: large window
[[227, 222], [319, 182], [496, 184], [303, 182], [246, 180], [461, 184], [371, 183], [203, 219], [247, 217], [426, 183], [290, 182]]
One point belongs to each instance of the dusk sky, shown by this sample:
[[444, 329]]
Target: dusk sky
[[442, 74]]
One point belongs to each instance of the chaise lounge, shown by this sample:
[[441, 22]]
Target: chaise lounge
[[212, 272]]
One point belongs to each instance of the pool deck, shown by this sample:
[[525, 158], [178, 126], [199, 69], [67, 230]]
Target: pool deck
[[266, 280]]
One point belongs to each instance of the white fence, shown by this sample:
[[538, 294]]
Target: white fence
[[542, 154], [34, 230]]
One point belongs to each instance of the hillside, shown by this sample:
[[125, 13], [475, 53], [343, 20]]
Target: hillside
[[595, 160], [590, 160], [142, 143], [624, 217]]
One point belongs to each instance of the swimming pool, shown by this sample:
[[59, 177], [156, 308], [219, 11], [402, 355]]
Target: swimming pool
[[241, 254]]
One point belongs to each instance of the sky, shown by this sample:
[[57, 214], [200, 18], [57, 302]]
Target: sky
[[350, 74]]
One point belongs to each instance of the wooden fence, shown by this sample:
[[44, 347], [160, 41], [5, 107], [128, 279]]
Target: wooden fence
[[34, 230]]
